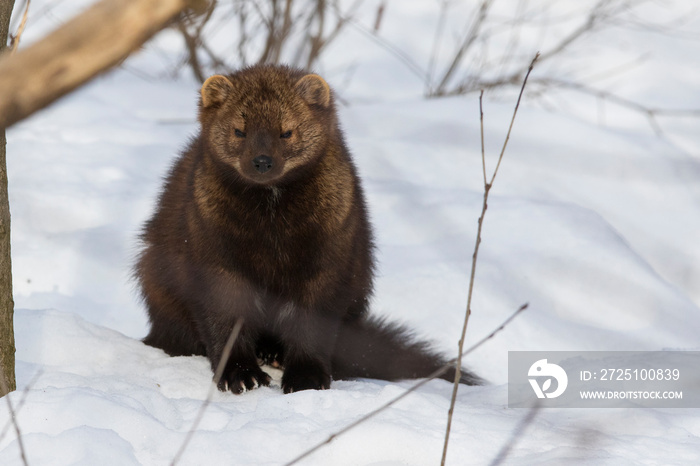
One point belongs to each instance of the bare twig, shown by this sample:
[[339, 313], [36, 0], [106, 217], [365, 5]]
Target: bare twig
[[14, 39], [217, 62], [19, 406], [242, 13], [481, 132], [508, 55], [516, 435], [650, 112], [193, 40], [469, 40], [591, 21], [405, 58], [378, 18], [271, 25], [510, 128], [450, 364], [277, 25], [342, 20], [191, 46], [13, 416], [487, 189], [493, 74], [285, 30], [212, 389], [444, 7], [316, 41]]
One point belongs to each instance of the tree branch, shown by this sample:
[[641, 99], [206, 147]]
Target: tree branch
[[228, 347], [650, 112], [469, 40], [6, 390], [89, 44], [517, 434], [487, 189], [18, 407]]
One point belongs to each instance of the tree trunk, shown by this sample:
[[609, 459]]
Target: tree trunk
[[7, 305], [91, 43]]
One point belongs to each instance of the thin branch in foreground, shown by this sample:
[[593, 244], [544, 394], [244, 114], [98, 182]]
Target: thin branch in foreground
[[212, 389], [516, 435], [19, 406], [487, 189], [6, 390], [481, 132], [412, 389], [512, 120]]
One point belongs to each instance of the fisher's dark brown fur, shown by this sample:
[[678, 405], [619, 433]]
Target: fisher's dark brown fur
[[263, 219]]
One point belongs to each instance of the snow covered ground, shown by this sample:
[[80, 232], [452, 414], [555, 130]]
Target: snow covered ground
[[595, 226]]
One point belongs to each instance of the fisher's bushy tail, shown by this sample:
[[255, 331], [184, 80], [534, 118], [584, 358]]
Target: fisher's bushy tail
[[374, 348]]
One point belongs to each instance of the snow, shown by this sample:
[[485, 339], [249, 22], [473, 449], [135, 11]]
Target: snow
[[594, 225]]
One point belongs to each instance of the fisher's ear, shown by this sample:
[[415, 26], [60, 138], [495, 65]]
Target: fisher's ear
[[215, 90], [314, 90]]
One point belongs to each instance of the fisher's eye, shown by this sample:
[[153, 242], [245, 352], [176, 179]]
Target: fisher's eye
[[286, 135], [239, 133]]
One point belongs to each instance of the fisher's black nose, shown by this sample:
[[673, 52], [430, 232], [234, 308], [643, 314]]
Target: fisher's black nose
[[262, 163]]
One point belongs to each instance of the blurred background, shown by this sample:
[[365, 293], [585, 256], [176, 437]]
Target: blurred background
[[593, 220]]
